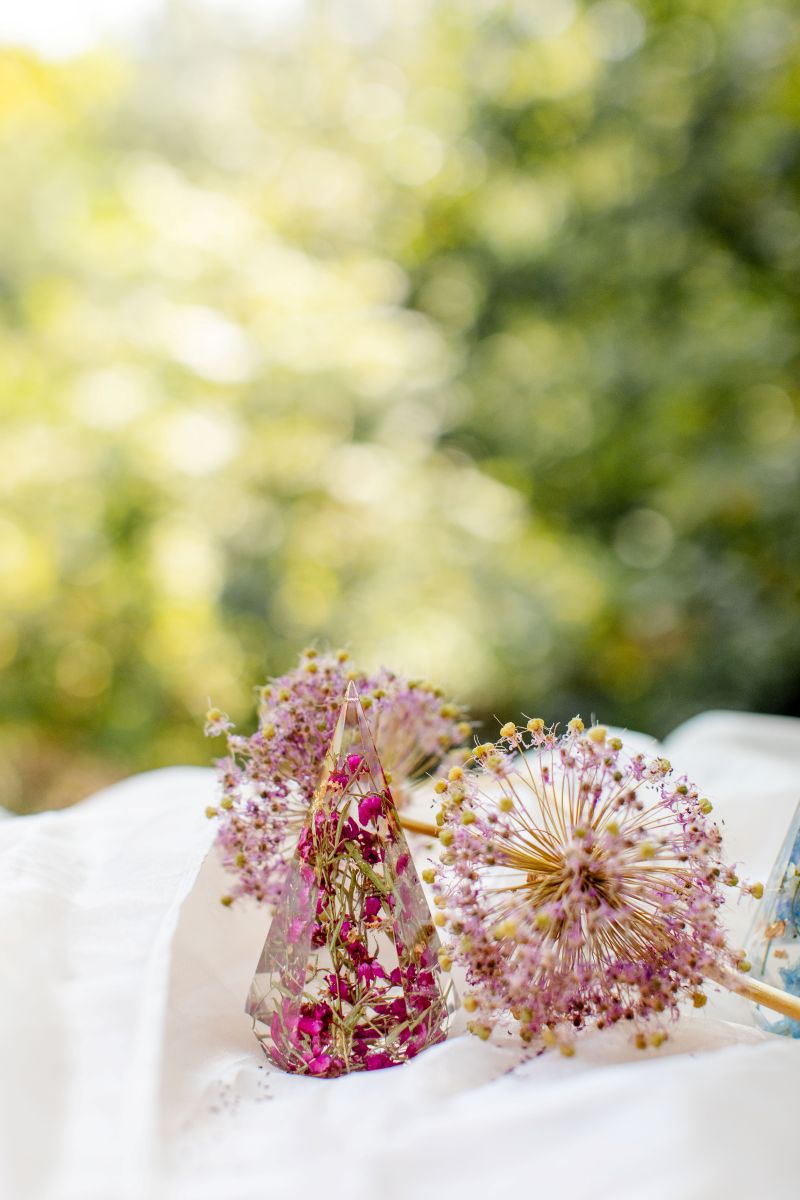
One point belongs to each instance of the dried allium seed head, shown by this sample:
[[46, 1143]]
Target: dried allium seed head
[[268, 779], [586, 884]]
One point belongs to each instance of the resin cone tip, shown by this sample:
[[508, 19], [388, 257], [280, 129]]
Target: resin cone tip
[[352, 691]]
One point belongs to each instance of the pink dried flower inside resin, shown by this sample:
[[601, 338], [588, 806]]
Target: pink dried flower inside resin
[[579, 883], [268, 779], [348, 979]]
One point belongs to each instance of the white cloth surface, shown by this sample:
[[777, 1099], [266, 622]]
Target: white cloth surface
[[128, 1069]]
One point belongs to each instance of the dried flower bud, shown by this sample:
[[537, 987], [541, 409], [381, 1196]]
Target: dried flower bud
[[480, 1030]]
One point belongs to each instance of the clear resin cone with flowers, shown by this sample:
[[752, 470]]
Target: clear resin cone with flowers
[[349, 978]]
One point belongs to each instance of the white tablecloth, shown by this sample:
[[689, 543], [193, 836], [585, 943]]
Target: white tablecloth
[[129, 1070]]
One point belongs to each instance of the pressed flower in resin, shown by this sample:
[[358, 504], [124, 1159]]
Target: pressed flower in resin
[[349, 978], [774, 941]]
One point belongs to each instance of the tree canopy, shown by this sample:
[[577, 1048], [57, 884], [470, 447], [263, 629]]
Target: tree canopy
[[462, 334]]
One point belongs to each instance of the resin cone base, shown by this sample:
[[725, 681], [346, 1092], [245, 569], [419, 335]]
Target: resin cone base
[[349, 978]]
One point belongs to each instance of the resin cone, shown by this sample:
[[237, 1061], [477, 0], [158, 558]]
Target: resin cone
[[773, 945], [349, 978]]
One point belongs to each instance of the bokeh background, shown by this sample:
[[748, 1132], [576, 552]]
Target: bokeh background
[[461, 332]]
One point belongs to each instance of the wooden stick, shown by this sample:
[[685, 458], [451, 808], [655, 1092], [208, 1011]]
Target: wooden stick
[[752, 989]]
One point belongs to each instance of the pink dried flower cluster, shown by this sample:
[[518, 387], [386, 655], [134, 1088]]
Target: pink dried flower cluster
[[579, 883], [268, 779]]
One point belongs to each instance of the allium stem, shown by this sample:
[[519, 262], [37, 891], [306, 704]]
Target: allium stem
[[752, 989], [415, 826], [763, 994]]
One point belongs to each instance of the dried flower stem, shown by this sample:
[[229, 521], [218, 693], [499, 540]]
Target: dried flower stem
[[415, 826], [761, 993]]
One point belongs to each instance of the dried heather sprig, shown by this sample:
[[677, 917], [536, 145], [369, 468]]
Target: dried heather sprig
[[268, 779], [579, 883]]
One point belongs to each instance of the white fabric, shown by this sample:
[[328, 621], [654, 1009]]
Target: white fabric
[[128, 1070]]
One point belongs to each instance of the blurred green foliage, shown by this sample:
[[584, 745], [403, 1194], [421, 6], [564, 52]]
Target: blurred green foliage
[[462, 333]]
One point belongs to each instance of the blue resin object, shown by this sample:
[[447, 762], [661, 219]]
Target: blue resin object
[[774, 942]]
